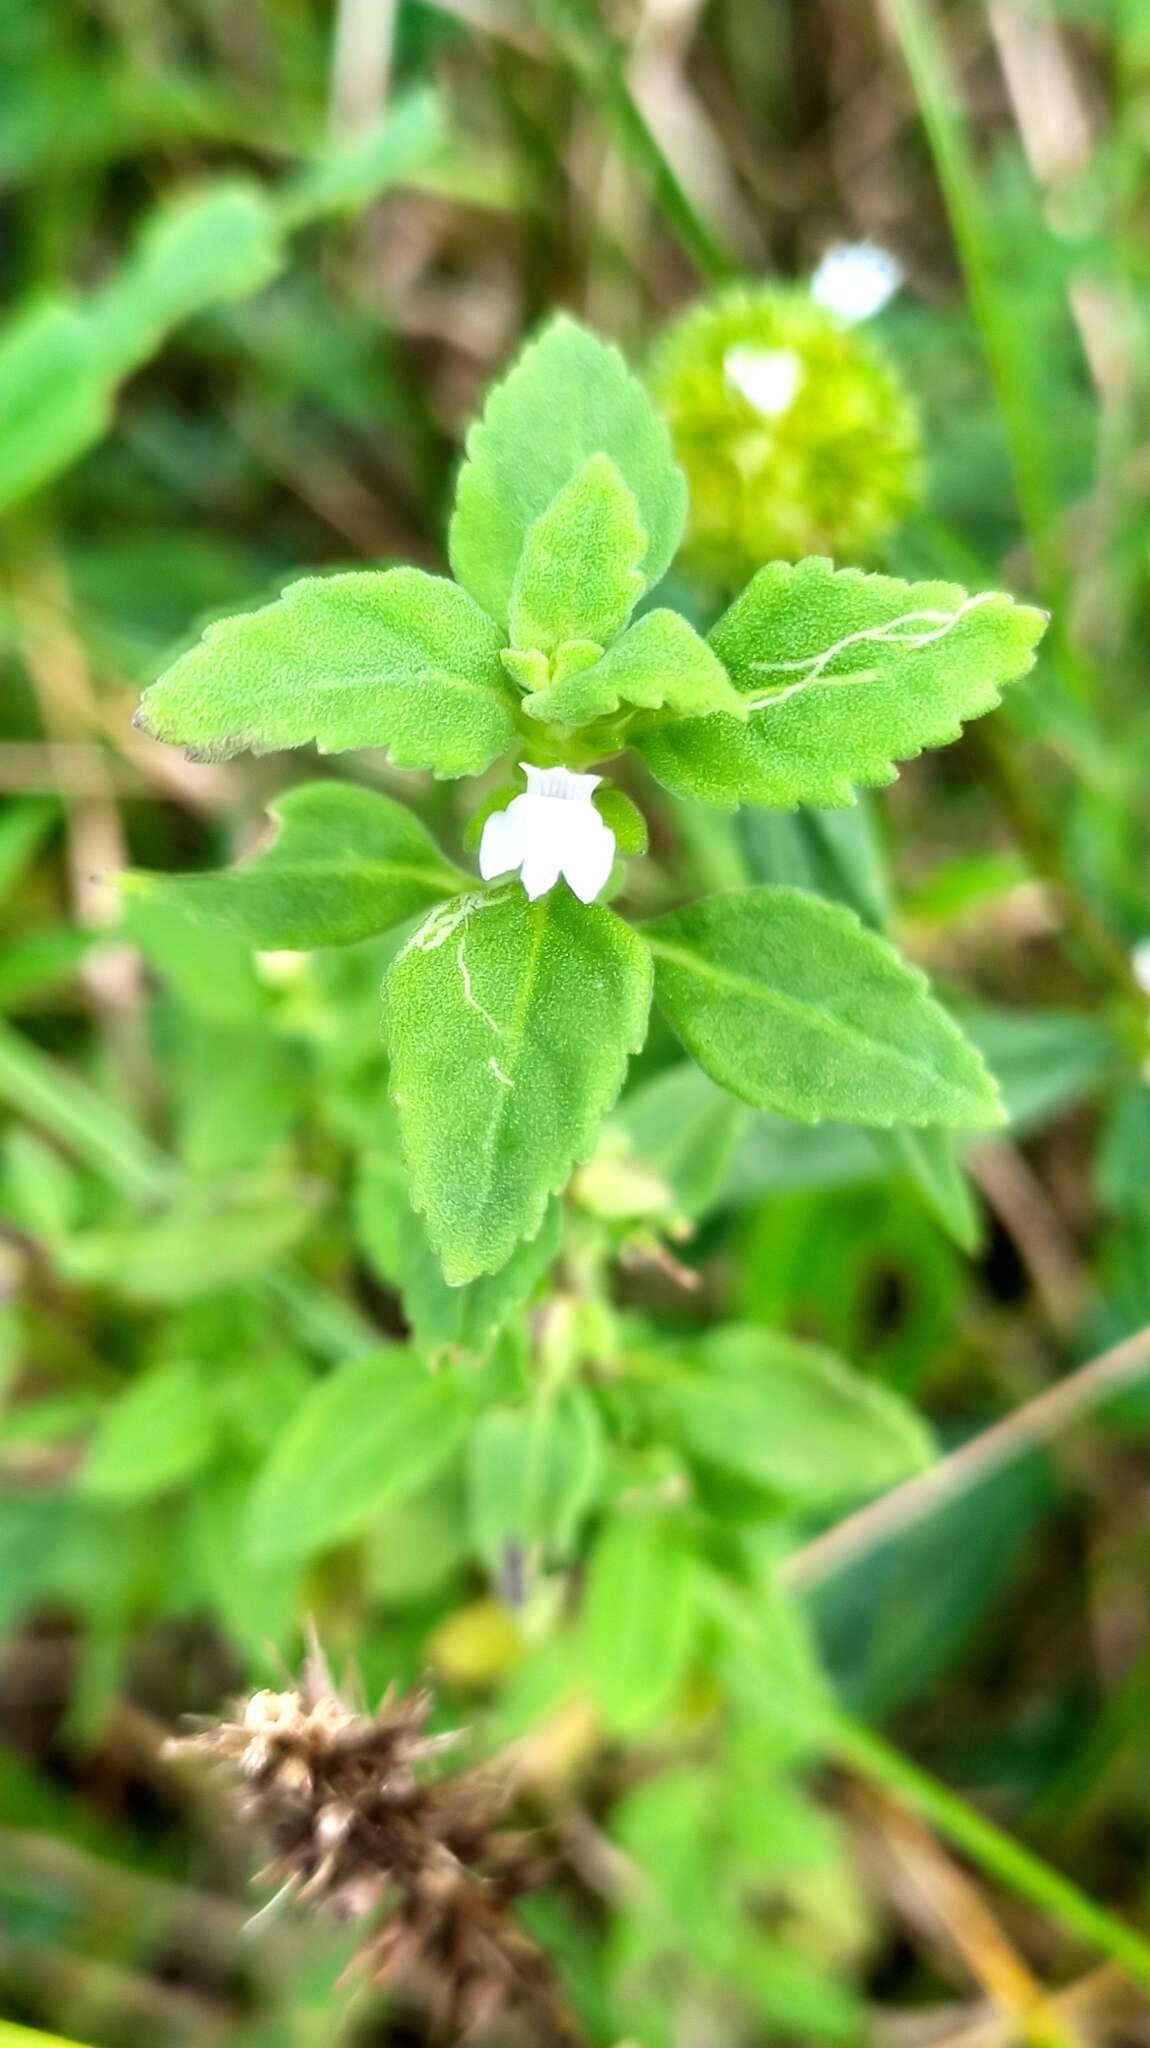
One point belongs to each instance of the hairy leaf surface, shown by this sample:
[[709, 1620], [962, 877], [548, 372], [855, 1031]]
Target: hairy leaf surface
[[464, 1319], [844, 675], [578, 576], [794, 1006], [392, 658], [510, 1025], [568, 396]]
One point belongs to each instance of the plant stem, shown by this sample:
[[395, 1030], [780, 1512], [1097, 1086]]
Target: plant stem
[[1016, 1868], [1012, 372], [1038, 1421]]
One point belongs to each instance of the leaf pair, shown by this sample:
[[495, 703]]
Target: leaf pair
[[522, 1018], [510, 1024]]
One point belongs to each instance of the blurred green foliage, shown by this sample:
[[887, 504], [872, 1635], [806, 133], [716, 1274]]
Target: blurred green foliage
[[251, 298]]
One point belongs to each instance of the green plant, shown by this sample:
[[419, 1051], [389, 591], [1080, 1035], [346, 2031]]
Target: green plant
[[512, 1011], [650, 1519]]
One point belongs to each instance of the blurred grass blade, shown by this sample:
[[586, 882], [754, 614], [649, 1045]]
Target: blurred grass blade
[[1008, 1862], [28, 2037], [593, 54], [408, 140]]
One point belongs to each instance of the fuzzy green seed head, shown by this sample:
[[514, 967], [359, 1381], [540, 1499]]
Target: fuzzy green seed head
[[796, 434]]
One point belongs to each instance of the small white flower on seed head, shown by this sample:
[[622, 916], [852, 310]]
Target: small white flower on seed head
[[768, 378], [855, 280], [553, 829]]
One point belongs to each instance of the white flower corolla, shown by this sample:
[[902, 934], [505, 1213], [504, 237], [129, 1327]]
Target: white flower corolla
[[855, 280], [553, 829], [768, 378]]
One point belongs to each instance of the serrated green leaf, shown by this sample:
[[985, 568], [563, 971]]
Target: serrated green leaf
[[578, 576], [794, 1006], [509, 1025], [568, 396], [374, 658], [155, 1436], [638, 1617], [660, 660], [533, 1474], [465, 1319], [345, 863], [376, 1430], [791, 1417], [845, 674]]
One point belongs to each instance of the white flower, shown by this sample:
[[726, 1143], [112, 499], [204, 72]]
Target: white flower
[[855, 280], [1140, 961], [553, 829], [768, 378]]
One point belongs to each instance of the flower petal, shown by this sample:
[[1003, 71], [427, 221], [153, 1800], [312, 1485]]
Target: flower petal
[[501, 845], [541, 865], [855, 280], [560, 782], [588, 855], [768, 378]]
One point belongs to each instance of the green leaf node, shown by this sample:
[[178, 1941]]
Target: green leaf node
[[659, 661]]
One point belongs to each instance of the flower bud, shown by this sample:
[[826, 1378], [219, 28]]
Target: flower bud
[[795, 432]]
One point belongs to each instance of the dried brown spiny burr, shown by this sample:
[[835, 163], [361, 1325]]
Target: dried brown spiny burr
[[355, 1829]]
